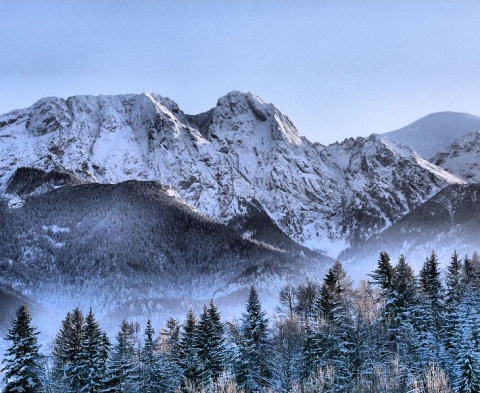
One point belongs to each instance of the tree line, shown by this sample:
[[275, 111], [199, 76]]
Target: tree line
[[395, 332]]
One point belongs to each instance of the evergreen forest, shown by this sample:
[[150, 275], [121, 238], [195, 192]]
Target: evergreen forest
[[395, 332]]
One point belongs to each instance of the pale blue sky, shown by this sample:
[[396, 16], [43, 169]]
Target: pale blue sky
[[336, 68]]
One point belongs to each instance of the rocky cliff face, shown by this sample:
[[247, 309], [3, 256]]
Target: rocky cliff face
[[462, 157], [243, 149]]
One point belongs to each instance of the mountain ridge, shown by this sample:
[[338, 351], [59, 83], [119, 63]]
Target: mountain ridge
[[432, 133], [242, 149]]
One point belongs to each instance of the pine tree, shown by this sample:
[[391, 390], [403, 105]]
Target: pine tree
[[401, 301], [455, 292], [188, 355], [170, 362], [122, 371], [429, 313], [150, 378], [91, 364], [253, 365], [465, 348], [22, 359], [328, 299], [66, 353], [454, 281], [468, 374], [383, 274], [210, 344], [432, 289]]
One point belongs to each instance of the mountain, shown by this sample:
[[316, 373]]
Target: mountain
[[383, 182], [462, 157], [127, 204], [433, 133], [448, 221], [114, 245], [242, 150]]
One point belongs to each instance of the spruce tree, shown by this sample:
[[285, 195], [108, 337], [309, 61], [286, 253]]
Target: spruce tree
[[170, 362], [465, 349], [456, 289], [328, 299], [467, 271], [188, 355], [210, 344], [468, 373], [454, 281], [66, 353], [432, 289], [122, 371], [91, 365], [401, 301], [253, 365], [404, 288], [383, 274], [60, 355], [150, 378], [22, 359]]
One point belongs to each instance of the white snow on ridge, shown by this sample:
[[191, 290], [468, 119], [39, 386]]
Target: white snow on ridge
[[243, 149], [462, 157]]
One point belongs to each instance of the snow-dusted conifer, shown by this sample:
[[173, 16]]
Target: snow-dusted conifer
[[91, 365], [210, 344], [171, 372], [22, 359], [66, 350], [465, 349], [253, 365], [187, 355], [455, 292], [122, 369], [150, 377], [454, 281]]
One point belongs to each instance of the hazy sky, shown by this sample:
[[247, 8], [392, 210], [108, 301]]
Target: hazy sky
[[336, 68]]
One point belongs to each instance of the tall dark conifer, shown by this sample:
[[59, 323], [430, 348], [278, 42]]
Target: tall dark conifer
[[210, 344], [383, 274], [188, 351], [22, 359], [92, 360], [253, 365], [66, 350], [122, 372], [150, 378]]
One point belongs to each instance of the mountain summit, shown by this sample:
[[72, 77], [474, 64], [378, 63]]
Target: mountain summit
[[431, 134], [243, 149]]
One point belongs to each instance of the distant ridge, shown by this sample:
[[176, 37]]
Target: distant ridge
[[431, 134]]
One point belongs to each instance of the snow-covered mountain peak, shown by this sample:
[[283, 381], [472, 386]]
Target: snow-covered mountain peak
[[462, 157], [432, 133], [252, 117], [243, 149]]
